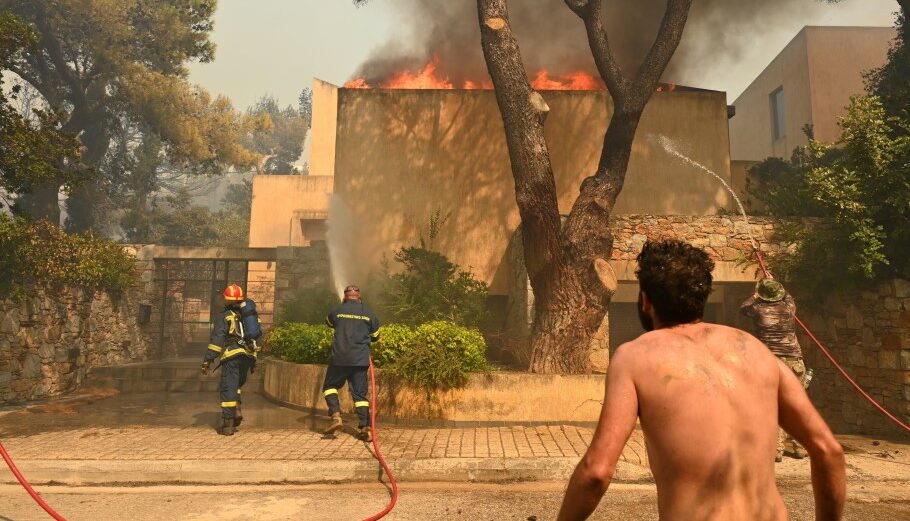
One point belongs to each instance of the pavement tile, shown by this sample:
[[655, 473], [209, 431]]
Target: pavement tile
[[165, 443]]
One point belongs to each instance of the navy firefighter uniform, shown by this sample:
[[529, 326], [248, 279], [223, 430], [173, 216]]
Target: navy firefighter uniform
[[356, 326], [237, 358]]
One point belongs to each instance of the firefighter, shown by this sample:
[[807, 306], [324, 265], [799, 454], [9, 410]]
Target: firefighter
[[356, 326], [773, 311], [237, 358]]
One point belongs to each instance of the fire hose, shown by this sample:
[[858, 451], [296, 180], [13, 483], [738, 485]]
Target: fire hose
[[764, 269], [376, 450], [28, 488]]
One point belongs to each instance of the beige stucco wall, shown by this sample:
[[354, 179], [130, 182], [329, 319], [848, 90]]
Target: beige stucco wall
[[838, 57], [402, 155], [819, 70], [322, 128], [279, 203]]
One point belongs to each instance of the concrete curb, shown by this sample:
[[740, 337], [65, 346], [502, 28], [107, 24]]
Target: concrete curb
[[220, 471]]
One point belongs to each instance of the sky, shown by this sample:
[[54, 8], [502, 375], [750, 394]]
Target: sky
[[276, 47]]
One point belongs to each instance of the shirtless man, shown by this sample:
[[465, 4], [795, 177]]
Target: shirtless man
[[710, 399]]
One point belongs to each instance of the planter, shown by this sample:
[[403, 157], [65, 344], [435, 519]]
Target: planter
[[504, 397]]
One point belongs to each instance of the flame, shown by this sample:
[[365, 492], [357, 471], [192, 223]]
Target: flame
[[428, 78], [575, 80]]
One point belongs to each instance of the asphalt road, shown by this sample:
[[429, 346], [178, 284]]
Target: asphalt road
[[419, 501]]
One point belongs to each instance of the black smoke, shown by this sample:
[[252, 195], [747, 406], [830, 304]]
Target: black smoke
[[551, 36]]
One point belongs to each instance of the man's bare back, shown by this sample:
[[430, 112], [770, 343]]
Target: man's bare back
[[710, 399], [707, 400]]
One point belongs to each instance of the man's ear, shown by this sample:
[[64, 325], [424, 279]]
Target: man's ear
[[645, 302]]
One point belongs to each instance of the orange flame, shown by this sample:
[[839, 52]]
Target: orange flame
[[427, 78]]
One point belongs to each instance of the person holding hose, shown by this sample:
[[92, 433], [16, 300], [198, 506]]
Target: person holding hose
[[773, 311], [356, 326]]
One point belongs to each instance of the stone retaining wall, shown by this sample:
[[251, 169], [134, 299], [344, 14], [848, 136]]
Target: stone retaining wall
[[298, 268], [50, 339], [500, 397], [868, 332], [725, 238]]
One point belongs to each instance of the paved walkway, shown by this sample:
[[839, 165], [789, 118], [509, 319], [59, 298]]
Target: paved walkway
[[104, 438], [188, 443]]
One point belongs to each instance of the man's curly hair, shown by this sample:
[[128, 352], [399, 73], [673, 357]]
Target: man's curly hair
[[676, 277]]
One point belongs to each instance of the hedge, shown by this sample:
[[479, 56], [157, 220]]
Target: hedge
[[434, 355], [41, 252]]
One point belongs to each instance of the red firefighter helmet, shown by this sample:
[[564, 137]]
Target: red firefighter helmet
[[233, 293]]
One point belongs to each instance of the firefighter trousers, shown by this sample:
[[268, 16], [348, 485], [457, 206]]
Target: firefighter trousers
[[356, 377], [233, 375]]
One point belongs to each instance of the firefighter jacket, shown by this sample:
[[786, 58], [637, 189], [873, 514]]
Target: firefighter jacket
[[226, 341], [355, 327]]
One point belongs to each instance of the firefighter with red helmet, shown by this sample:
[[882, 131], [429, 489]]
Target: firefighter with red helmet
[[237, 357]]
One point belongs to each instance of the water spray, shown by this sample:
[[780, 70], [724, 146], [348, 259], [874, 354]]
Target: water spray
[[667, 144]]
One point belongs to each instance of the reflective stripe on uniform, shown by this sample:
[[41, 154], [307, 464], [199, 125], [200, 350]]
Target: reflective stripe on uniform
[[229, 404], [215, 348], [234, 352], [375, 335], [239, 392], [361, 404], [329, 391], [328, 322], [232, 323]]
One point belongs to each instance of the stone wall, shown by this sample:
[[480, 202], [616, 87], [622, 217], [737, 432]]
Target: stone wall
[[725, 238], [301, 267], [50, 339], [868, 333]]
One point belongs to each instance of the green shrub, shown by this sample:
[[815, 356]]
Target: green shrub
[[41, 252], [441, 356], [301, 343], [310, 305], [435, 355], [394, 339], [431, 287]]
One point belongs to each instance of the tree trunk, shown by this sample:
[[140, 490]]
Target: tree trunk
[[568, 266], [565, 325], [86, 202]]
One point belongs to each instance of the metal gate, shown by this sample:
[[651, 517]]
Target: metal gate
[[190, 295]]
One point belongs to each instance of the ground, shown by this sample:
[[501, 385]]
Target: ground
[[419, 501], [155, 455]]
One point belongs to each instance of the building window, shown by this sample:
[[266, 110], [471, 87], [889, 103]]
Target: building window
[[777, 114]]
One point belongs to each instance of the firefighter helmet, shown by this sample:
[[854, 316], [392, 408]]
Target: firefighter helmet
[[233, 293]]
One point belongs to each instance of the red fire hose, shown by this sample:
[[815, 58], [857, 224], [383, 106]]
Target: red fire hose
[[764, 268], [12, 466], [382, 462]]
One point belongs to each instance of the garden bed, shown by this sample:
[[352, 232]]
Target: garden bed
[[508, 397]]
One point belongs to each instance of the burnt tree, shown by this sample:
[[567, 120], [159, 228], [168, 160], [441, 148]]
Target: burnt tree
[[567, 262]]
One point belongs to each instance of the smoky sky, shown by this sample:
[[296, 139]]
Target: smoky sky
[[552, 37]]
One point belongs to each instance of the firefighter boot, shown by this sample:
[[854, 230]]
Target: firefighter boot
[[336, 425], [366, 433], [227, 427], [238, 418]]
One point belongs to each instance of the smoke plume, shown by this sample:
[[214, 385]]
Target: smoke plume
[[552, 38]]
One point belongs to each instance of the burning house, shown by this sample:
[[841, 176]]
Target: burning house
[[384, 160]]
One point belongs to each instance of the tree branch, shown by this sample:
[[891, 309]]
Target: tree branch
[[60, 66], [668, 37], [591, 13]]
